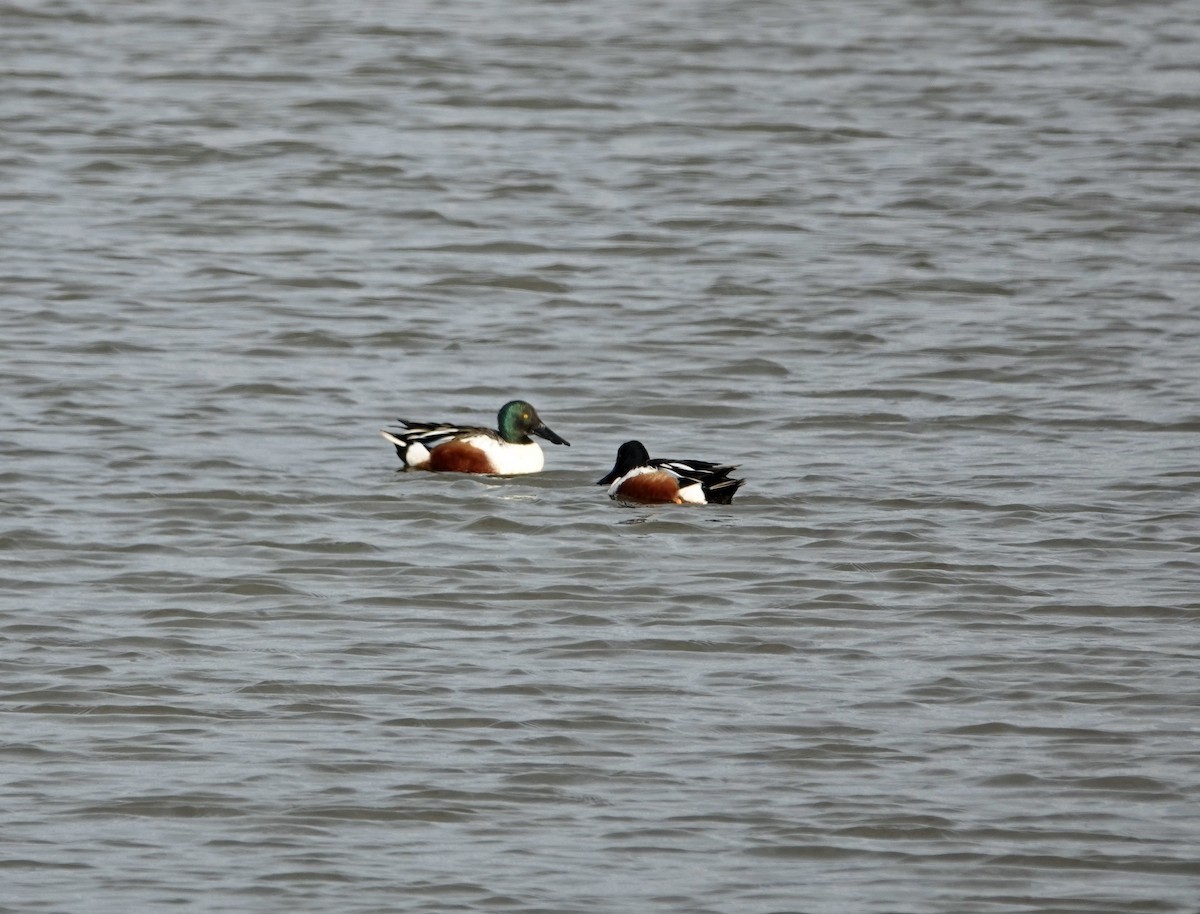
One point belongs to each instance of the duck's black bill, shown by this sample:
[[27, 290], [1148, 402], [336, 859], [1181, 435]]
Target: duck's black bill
[[544, 431], [610, 478]]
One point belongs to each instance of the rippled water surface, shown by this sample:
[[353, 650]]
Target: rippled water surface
[[926, 269]]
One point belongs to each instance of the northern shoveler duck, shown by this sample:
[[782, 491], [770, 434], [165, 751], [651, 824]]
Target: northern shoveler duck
[[469, 449], [637, 478]]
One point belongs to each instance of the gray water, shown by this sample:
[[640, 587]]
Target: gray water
[[927, 270]]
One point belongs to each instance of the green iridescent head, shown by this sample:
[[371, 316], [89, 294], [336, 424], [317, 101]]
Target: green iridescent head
[[518, 420]]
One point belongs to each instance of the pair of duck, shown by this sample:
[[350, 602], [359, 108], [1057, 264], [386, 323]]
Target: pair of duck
[[509, 451]]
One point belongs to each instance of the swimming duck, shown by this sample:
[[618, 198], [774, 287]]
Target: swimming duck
[[507, 451], [637, 478]]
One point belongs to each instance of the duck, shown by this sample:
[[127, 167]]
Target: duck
[[639, 480], [506, 450]]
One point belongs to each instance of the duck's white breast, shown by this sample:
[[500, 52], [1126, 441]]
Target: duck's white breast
[[509, 459]]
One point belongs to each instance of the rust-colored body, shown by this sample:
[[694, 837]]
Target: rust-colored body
[[459, 457], [651, 488]]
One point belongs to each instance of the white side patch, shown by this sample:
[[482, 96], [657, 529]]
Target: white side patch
[[416, 456], [693, 494]]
